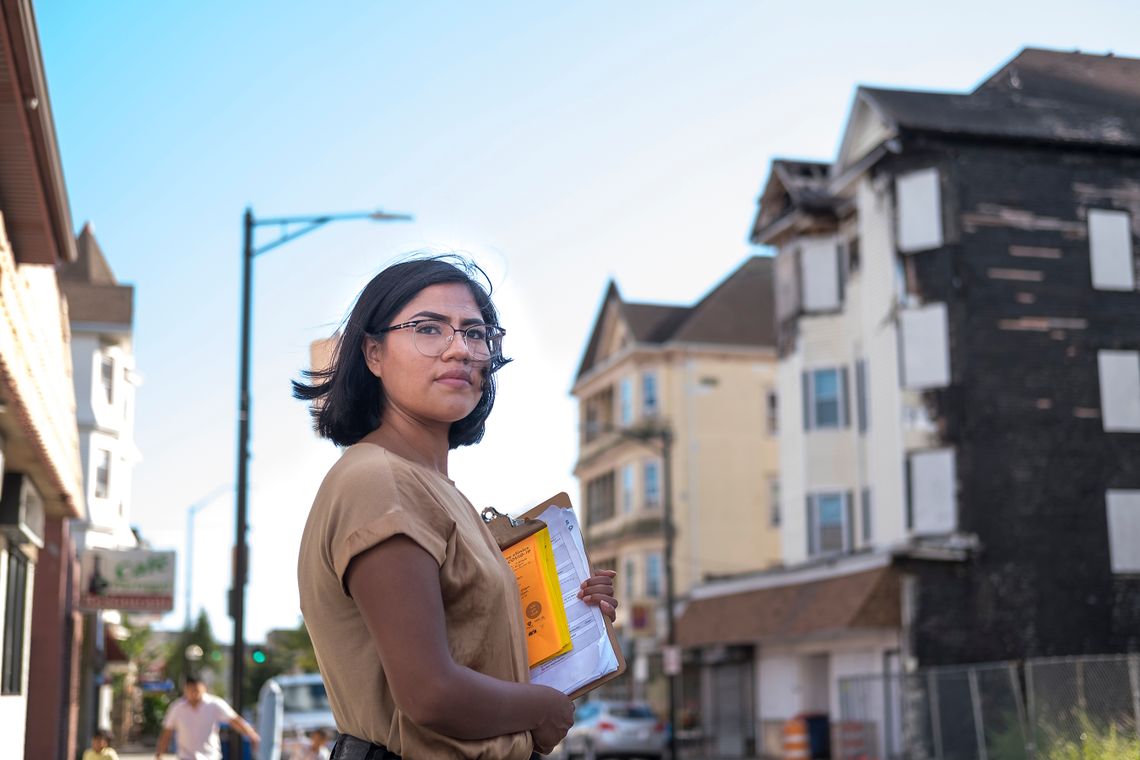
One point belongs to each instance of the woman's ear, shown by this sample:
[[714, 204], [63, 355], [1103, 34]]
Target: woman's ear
[[373, 354]]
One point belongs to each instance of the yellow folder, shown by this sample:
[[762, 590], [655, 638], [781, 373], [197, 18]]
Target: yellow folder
[[544, 614]]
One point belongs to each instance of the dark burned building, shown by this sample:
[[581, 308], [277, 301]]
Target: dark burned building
[[959, 337]]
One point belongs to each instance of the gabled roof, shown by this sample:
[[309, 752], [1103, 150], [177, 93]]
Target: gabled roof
[[93, 294], [90, 265], [737, 312]]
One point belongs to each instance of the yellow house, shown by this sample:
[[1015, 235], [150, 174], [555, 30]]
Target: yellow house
[[705, 376]]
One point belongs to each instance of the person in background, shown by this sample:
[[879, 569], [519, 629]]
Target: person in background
[[101, 747], [317, 749], [413, 611], [194, 719]]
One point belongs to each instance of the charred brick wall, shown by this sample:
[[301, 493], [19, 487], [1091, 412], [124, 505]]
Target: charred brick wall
[[1023, 410]]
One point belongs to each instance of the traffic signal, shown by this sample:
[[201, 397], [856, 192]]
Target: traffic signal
[[258, 656]]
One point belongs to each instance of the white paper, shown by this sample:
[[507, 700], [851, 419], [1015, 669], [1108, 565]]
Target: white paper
[[591, 656]]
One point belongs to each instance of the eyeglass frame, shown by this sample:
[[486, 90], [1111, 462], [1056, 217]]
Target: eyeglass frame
[[499, 332]]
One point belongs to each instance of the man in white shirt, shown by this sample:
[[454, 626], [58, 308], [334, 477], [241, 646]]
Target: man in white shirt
[[194, 720]]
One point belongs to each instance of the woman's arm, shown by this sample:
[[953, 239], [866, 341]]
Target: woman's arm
[[396, 588]]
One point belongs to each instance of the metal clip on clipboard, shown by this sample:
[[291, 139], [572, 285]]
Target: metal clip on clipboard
[[507, 530]]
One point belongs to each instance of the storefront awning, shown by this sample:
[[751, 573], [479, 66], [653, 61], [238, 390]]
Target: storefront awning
[[863, 600]]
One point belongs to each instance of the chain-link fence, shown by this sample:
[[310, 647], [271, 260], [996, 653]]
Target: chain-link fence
[[1085, 708]]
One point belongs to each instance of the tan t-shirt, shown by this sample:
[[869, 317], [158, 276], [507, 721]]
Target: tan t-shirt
[[368, 496]]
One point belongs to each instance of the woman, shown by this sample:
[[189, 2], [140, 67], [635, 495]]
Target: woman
[[413, 612]]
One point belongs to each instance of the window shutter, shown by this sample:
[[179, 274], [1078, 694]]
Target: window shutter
[[807, 400], [849, 521], [844, 407], [811, 527]]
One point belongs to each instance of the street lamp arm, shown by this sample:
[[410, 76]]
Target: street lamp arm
[[287, 236], [315, 222]]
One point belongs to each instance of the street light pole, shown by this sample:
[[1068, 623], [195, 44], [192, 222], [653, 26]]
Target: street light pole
[[664, 434], [191, 511], [290, 229]]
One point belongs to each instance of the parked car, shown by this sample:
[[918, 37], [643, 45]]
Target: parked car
[[306, 707], [605, 728]]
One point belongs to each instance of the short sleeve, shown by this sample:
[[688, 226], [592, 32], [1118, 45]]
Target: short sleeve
[[376, 499], [225, 712], [168, 719]]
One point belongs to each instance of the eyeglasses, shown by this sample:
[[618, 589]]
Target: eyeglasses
[[431, 339]]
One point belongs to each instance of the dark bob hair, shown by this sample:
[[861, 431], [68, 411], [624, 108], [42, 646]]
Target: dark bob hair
[[346, 397]]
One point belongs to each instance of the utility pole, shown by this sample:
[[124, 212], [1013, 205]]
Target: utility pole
[[291, 228]]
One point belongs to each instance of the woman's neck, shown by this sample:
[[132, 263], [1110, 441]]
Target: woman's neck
[[427, 446]]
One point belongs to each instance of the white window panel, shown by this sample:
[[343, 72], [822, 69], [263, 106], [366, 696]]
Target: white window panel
[[933, 491], [1110, 250], [787, 283], [819, 265], [1119, 373], [919, 198], [925, 339], [1123, 530]]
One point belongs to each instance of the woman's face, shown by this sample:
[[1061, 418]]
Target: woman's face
[[430, 390]]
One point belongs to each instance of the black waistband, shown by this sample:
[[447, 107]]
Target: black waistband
[[350, 748]]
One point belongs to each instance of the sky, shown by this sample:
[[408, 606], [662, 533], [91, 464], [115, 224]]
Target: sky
[[560, 145]]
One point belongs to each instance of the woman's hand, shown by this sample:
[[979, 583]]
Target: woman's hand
[[558, 716], [598, 590]]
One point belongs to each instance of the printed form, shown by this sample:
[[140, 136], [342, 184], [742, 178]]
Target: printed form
[[592, 655]]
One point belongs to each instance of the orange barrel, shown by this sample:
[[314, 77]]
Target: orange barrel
[[796, 746], [852, 741]]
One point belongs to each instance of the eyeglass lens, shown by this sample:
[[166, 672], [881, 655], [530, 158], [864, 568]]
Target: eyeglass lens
[[432, 338]]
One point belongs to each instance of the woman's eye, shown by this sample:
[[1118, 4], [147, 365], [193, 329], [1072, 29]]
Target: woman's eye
[[477, 333], [428, 328]]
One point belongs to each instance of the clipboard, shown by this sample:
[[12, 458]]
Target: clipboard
[[508, 531]]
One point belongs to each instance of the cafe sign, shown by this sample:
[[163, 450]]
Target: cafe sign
[[132, 580]]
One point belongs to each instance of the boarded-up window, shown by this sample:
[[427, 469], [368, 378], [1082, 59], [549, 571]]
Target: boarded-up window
[[1110, 250], [924, 335], [919, 199], [1123, 530], [933, 492], [1119, 373], [819, 266], [787, 283]]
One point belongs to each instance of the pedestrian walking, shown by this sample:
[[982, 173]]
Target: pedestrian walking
[[413, 612], [193, 719]]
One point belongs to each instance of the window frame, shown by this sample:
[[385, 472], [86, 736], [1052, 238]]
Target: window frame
[[654, 466], [814, 525], [654, 575], [812, 401], [103, 462], [15, 622], [650, 394]]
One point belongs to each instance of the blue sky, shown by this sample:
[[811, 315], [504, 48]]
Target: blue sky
[[559, 144]]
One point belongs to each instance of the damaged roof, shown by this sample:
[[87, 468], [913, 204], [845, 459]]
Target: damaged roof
[[736, 312], [1068, 98], [1040, 94]]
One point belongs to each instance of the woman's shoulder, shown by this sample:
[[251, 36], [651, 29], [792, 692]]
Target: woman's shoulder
[[377, 470]]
